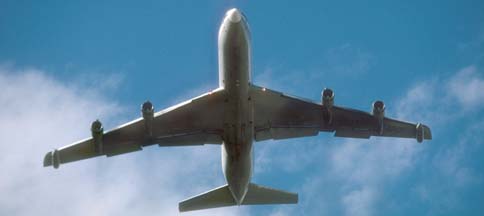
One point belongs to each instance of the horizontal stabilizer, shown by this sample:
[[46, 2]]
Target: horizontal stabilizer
[[218, 197], [260, 195], [221, 197]]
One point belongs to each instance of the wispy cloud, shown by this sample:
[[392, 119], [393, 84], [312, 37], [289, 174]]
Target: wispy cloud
[[467, 87], [372, 165], [444, 98], [40, 113], [358, 173], [359, 202]]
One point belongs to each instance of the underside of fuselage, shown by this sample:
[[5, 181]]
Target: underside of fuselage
[[234, 71]]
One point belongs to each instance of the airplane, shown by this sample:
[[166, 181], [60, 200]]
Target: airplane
[[234, 116]]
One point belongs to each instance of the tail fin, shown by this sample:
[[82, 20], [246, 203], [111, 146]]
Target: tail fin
[[221, 197]]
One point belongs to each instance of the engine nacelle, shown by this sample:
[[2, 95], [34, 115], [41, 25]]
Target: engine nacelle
[[97, 136], [148, 112], [379, 113], [327, 98], [55, 159], [420, 133], [379, 109]]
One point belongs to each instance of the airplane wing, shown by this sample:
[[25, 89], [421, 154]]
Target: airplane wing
[[280, 116], [194, 122]]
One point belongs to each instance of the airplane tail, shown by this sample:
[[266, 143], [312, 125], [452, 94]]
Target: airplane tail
[[218, 197], [260, 195], [221, 197]]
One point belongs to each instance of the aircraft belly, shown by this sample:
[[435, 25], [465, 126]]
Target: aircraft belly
[[238, 134], [234, 66]]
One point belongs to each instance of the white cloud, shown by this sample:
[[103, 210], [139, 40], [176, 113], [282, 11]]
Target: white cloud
[[443, 99], [452, 162], [363, 166], [40, 113], [359, 202], [467, 87], [371, 164], [359, 170]]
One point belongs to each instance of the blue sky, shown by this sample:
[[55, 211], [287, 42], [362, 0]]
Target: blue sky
[[63, 65]]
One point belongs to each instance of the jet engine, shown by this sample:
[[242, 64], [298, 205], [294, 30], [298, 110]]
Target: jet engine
[[147, 110], [97, 136], [379, 109], [420, 133], [327, 98], [379, 113]]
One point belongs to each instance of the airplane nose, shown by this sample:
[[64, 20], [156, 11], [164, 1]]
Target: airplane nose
[[234, 15]]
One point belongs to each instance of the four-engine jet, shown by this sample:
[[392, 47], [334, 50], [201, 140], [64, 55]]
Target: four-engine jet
[[233, 116]]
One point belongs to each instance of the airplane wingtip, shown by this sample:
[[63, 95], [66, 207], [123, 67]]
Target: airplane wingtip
[[48, 159]]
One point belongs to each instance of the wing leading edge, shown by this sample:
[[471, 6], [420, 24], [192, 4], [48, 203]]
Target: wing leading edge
[[280, 116], [193, 122]]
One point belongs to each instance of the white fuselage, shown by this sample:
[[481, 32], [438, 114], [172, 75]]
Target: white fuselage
[[234, 75]]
